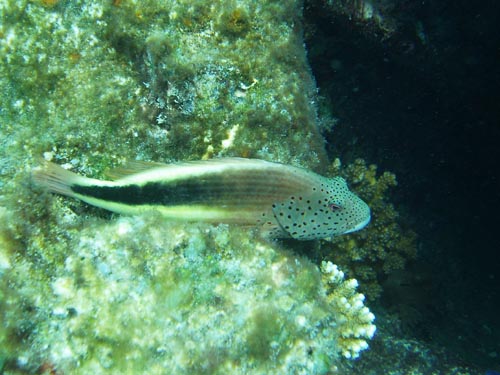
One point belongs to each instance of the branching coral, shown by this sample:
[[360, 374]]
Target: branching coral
[[354, 321], [382, 247]]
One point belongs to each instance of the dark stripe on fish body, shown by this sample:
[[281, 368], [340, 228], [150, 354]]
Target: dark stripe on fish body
[[230, 189], [152, 193]]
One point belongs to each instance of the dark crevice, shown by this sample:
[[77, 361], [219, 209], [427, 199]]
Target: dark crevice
[[422, 101]]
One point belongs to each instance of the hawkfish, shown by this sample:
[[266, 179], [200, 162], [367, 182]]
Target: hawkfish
[[283, 201]]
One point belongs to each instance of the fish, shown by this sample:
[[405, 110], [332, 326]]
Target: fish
[[283, 201]]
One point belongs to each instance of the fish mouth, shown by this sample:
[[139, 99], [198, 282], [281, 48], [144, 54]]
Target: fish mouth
[[360, 225]]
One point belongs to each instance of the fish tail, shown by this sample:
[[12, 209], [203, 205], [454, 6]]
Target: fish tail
[[56, 179]]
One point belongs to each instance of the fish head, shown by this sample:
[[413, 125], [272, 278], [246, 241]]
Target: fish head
[[328, 208]]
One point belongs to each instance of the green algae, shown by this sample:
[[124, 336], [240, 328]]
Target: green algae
[[264, 330], [168, 79], [90, 85]]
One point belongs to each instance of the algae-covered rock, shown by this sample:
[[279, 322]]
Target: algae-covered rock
[[138, 293], [97, 83], [91, 84]]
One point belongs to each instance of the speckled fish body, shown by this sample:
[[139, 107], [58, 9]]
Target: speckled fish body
[[284, 201]]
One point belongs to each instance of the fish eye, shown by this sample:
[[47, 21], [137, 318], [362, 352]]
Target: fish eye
[[335, 207]]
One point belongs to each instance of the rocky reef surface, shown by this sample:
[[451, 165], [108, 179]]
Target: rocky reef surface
[[89, 85]]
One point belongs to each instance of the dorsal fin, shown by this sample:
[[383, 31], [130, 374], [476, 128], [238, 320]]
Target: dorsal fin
[[137, 166], [132, 167]]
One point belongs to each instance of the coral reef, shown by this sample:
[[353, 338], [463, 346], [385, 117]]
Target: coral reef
[[200, 300], [89, 85], [381, 248]]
